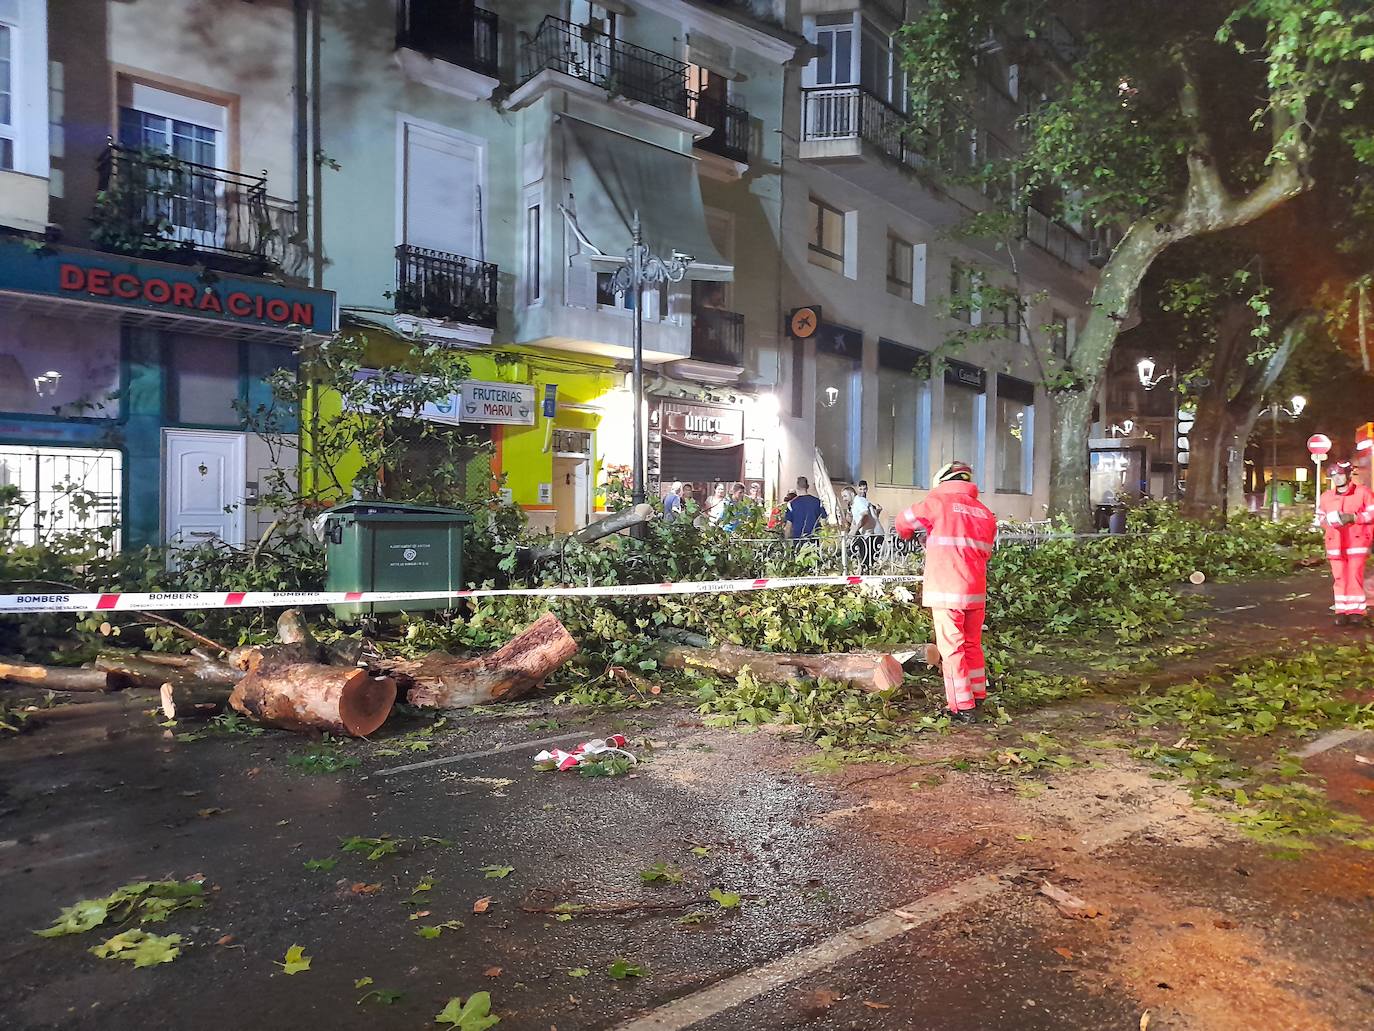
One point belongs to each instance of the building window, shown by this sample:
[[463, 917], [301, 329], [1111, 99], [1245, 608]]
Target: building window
[[903, 416], [655, 297], [839, 387], [1015, 436], [826, 245], [833, 64], [7, 105], [58, 367], [534, 244], [899, 267], [62, 490], [880, 68], [204, 381], [962, 416], [960, 291]]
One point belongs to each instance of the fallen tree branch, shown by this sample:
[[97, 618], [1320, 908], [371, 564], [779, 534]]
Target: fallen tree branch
[[67, 678], [636, 516]]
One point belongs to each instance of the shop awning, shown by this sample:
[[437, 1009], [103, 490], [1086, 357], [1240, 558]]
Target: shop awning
[[614, 175]]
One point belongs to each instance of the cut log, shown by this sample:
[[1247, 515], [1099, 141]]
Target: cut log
[[293, 629], [868, 671], [250, 658], [308, 696], [442, 681], [637, 516], [152, 669], [907, 656], [65, 678], [179, 703]]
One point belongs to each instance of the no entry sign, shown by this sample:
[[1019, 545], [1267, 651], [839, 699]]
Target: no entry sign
[[1319, 444]]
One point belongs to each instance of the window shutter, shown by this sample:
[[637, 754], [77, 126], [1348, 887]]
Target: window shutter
[[441, 192], [581, 282]]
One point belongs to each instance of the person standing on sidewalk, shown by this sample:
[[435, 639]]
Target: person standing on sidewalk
[[1347, 512], [960, 532]]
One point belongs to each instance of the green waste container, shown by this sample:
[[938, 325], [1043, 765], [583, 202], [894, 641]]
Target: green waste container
[[384, 546]]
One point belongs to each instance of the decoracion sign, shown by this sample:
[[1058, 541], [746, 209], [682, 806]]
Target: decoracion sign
[[701, 426], [510, 404], [130, 282]]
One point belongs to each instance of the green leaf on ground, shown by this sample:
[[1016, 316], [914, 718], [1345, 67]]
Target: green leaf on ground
[[140, 948], [426, 884], [497, 872], [473, 1015], [623, 968], [362, 982], [323, 865], [374, 848], [726, 899], [661, 872], [578, 972], [154, 901], [296, 960], [701, 851], [385, 996]]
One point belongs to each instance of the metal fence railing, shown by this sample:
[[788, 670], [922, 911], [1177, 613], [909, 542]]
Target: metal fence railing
[[439, 285], [456, 31]]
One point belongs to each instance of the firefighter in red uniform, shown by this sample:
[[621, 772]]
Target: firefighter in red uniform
[[960, 531], [1346, 510]]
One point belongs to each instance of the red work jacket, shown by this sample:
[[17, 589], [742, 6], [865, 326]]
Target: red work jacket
[[1346, 539], [960, 531]]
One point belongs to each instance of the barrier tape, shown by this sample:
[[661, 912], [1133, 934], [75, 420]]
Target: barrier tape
[[186, 600]]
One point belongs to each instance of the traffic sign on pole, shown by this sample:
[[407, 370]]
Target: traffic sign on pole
[[1319, 444]]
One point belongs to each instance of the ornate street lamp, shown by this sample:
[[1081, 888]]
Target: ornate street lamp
[[1294, 409], [642, 268]]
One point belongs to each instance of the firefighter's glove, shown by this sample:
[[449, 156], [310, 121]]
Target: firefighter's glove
[[1347, 518], [905, 528]]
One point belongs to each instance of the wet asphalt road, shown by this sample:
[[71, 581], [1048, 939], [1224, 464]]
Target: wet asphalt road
[[87, 805]]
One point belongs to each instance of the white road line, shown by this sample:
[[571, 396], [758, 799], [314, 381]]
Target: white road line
[[733, 991], [1326, 742], [466, 756]]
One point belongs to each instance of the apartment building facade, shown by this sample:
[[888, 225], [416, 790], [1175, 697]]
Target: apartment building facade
[[480, 187], [149, 283], [867, 245]]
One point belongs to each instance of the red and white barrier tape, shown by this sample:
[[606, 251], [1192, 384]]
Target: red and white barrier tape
[[186, 600]]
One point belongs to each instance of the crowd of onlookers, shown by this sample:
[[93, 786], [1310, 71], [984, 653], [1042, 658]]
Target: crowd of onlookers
[[735, 508]]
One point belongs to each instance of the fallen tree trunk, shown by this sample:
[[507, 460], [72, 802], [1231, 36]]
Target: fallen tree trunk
[[295, 645], [636, 516], [868, 671], [152, 671], [873, 669], [65, 678], [179, 703], [441, 681], [308, 696]]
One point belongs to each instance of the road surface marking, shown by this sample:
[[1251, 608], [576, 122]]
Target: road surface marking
[[750, 984], [1326, 742]]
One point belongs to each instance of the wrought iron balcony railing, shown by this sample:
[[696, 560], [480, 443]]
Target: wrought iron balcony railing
[[621, 68], [153, 204], [439, 285], [717, 336], [853, 113], [456, 31], [731, 125]]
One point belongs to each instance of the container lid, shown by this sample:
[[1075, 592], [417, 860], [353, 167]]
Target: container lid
[[385, 509]]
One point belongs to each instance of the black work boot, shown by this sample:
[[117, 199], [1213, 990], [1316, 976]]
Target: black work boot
[[963, 716], [1342, 619]]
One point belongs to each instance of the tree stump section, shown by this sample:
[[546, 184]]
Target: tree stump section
[[307, 696], [441, 681]]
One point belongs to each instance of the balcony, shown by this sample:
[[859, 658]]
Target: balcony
[[838, 120], [731, 124], [635, 73], [457, 32], [449, 287], [1056, 240], [717, 336], [152, 204]]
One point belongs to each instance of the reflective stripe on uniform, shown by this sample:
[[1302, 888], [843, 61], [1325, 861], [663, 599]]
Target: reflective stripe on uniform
[[959, 542], [942, 600], [1357, 551]]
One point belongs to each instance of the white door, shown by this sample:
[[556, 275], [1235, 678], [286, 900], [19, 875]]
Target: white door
[[442, 180], [205, 476]]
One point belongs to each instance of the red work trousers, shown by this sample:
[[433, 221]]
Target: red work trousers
[[1347, 576], [959, 636]]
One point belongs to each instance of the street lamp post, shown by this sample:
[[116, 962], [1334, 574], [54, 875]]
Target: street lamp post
[[1297, 404], [1145, 370], [643, 268]]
